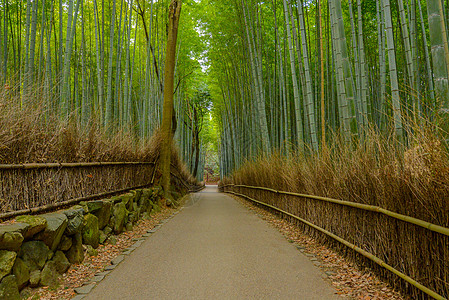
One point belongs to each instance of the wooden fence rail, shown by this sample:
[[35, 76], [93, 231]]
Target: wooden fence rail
[[427, 225], [69, 165], [373, 232], [27, 186], [67, 203]]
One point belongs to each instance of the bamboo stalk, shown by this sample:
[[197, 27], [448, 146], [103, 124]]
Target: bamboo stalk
[[367, 207], [296, 94], [323, 119], [395, 95], [368, 255]]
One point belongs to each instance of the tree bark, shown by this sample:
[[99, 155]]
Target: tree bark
[[167, 114]]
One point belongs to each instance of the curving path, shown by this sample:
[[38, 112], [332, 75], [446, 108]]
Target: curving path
[[215, 249]]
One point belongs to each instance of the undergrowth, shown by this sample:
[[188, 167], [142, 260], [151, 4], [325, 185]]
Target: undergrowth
[[31, 132], [411, 180]]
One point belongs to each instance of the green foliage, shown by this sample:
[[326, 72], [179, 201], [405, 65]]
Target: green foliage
[[237, 51], [234, 89]]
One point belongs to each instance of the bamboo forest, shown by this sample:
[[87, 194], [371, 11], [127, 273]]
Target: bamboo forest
[[327, 119]]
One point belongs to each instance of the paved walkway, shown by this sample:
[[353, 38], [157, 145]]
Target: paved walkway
[[215, 249]]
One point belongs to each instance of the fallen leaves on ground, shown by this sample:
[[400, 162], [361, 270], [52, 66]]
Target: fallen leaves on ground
[[348, 280], [78, 274]]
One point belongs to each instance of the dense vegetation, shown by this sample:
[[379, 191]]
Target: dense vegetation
[[347, 99], [89, 74], [290, 74], [344, 99]]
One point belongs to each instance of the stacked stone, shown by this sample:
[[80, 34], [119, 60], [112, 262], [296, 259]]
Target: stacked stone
[[36, 250]]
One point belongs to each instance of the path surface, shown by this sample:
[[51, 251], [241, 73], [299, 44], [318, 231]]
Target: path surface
[[215, 249]]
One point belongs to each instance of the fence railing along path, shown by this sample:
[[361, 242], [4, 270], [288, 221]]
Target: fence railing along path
[[292, 210], [28, 188]]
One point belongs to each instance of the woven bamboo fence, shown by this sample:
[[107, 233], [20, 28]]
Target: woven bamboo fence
[[411, 254], [27, 186]]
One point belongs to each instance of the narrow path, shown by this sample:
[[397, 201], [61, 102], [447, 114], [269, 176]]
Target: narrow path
[[215, 249]]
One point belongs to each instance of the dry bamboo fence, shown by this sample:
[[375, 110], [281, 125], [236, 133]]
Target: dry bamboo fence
[[27, 186], [413, 255]]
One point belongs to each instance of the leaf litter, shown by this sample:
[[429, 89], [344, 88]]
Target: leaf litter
[[347, 278], [80, 274]]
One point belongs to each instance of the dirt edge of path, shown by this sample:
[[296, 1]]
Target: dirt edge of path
[[346, 277], [80, 274]]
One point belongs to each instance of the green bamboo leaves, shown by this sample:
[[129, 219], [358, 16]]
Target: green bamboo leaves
[[279, 70], [351, 66]]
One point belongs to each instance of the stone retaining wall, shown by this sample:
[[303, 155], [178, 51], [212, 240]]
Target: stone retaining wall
[[36, 250]]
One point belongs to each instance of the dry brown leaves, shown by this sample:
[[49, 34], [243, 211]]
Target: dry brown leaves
[[78, 274], [348, 280]]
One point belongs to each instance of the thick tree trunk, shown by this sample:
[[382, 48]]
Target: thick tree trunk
[[167, 114]]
